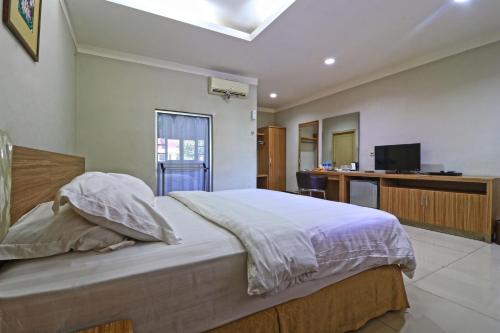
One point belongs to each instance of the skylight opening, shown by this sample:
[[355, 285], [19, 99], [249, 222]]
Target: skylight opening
[[244, 19]]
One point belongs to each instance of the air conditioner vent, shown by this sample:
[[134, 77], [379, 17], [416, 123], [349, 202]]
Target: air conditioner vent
[[227, 88]]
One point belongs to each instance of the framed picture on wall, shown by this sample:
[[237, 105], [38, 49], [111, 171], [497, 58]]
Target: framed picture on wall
[[23, 19]]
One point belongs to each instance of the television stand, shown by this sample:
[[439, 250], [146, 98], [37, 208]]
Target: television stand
[[460, 205]]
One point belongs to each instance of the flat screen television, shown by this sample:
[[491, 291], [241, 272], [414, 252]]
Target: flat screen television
[[398, 158]]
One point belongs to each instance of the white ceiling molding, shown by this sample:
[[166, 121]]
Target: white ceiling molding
[[68, 21], [111, 54], [436, 56], [267, 110], [270, 20], [153, 62]]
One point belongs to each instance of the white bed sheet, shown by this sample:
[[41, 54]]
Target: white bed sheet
[[291, 239], [192, 287]]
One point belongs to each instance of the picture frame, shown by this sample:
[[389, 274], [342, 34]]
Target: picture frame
[[23, 18]]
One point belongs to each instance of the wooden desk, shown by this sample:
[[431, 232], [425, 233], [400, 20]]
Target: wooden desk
[[466, 205]]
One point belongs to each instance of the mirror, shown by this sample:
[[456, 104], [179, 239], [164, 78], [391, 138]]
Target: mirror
[[340, 142], [308, 145]]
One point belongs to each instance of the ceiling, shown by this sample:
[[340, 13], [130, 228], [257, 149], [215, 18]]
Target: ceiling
[[369, 39], [244, 19]]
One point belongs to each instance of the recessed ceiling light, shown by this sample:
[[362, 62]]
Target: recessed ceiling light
[[461, 1], [329, 61], [273, 95]]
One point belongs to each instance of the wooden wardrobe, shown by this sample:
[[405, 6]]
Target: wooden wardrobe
[[271, 158]]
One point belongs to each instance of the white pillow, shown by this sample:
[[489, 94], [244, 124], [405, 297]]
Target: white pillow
[[121, 203], [41, 234]]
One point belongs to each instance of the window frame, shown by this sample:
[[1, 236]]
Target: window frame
[[210, 143]]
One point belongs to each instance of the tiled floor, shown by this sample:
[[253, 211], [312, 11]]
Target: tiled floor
[[456, 288]]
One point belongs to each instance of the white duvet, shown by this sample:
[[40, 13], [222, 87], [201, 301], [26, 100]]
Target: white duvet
[[291, 238]]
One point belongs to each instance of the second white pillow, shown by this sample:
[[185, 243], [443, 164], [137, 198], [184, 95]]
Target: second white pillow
[[41, 234], [119, 202]]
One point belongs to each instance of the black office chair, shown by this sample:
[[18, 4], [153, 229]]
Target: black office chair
[[310, 183]]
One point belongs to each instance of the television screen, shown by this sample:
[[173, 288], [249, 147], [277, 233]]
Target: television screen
[[398, 157]]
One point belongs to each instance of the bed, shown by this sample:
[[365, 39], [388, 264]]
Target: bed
[[199, 285]]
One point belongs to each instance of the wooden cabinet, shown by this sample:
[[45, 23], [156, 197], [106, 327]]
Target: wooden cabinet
[[271, 158], [466, 205], [462, 212]]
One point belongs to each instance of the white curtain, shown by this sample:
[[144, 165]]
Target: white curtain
[[183, 146]]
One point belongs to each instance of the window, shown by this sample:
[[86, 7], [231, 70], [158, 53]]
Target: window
[[160, 149], [183, 152], [189, 150], [201, 150], [174, 149], [192, 150]]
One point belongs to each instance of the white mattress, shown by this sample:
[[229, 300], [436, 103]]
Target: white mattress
[[192, 287]]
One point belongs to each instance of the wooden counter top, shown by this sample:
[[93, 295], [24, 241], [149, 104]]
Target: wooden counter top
[[461, 179]]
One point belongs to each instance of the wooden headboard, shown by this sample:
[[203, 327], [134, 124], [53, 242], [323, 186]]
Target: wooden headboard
[[37, 175]]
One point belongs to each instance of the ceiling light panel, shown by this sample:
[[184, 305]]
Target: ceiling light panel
[[244, 19], [329, 61]]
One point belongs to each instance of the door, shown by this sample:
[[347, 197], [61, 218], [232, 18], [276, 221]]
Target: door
[[441, 211], [277, 161], [460, 211], [263, 152], [394, 200], [404, 203], [343, 148], [183, 152], [416, 205], [428, 203], [475, 212]]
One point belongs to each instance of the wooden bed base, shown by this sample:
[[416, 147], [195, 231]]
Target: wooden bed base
[[341, 307]]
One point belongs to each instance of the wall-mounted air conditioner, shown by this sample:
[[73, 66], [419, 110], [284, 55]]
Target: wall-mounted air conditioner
[[227, 88]]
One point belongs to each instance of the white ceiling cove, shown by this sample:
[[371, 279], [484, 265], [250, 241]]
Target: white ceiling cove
[[244, 19], [369, 39]]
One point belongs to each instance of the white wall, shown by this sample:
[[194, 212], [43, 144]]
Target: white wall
[[451, 106], [39, 99], [116, 119], [265, 119]]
